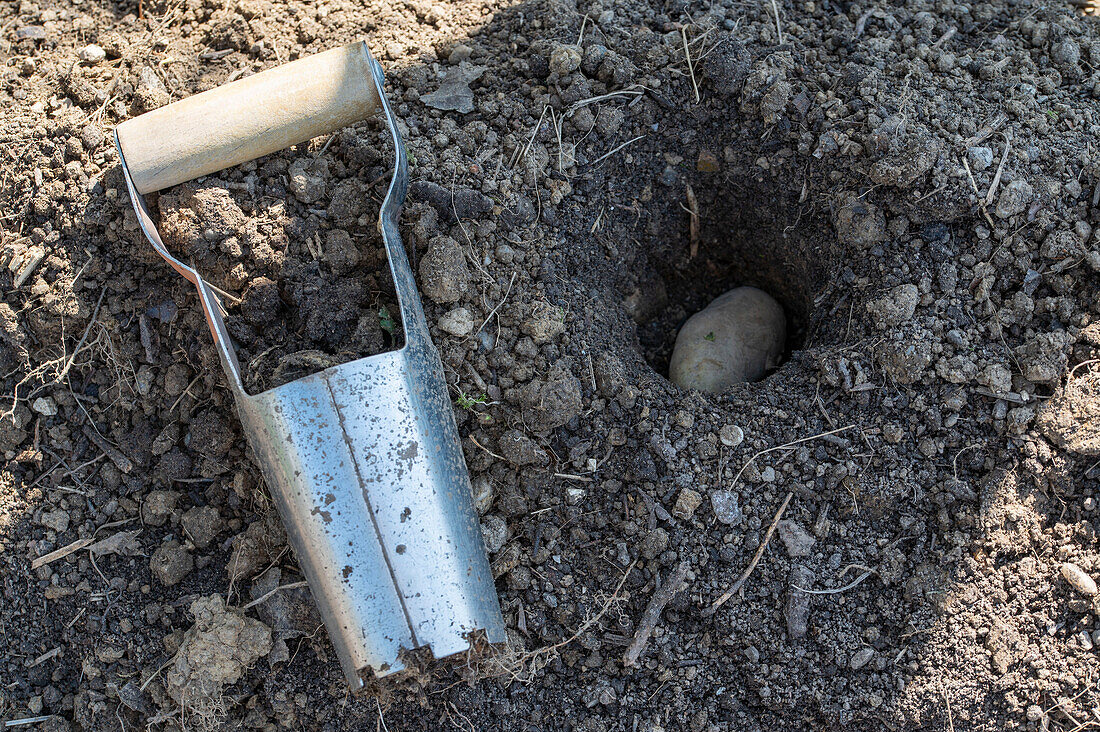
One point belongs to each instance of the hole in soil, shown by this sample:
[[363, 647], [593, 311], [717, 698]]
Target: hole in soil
[[749, 236]]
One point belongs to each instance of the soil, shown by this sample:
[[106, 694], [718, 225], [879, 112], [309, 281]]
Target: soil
[[919, 186]]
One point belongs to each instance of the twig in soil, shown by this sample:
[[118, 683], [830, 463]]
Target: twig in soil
[[861, 22], [977, 193], [222, 294], [27, 720], [614, 150], [381, 720], [693, 223], [945, 37], [156, 673], [548, 650], [534, 132], [80, 344], [785, 445], [950, 718], [187, 390], [28, 269], [672, 584], [630, 92], [269, 593], [1008, 396], [584, 22], [121, 462], [691, 66], [837, 590], [61, 553], [494, 310], [474, 440], [46, 657], [992, 192], [778, 28], [736, 587], [955, 460], [76, 617]]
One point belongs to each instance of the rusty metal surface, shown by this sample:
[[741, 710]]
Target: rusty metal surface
[[365, 465]]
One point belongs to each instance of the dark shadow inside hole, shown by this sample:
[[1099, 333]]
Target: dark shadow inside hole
[[748, 236]]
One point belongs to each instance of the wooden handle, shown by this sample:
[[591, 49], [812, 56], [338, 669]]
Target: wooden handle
[[238, 122]]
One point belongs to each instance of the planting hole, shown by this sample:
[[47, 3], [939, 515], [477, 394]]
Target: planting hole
[[748, 237]]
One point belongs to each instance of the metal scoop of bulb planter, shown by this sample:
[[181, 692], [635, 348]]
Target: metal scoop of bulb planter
[[363, 459]]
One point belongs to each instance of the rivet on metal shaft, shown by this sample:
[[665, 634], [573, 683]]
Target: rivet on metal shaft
[[363, 459]]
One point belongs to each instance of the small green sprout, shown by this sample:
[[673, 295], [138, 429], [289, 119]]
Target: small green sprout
[[386, 321], [709, 336], [468, 402]]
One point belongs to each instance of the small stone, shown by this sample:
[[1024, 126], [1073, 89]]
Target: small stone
[[1014, 198], [574, 495], [545, 323], [495, 533], [461, 52], [731, 435], [565, 59], [979, 158], [57, 520], [1066, 53], [861, 658], [859, 224], [91, 136], [895, 308], [686, 503], [1078, 579], [157, 507], [202, 524], [170, 563], [30, 32], [520, 450], [454, 91], [306, 179], [707, 162], [459, 322], [726, 507], [92, 54], [1035, 713], [45, 406], [798, 541], [483, 494], [654, 543], [444, 275], [340, 251]]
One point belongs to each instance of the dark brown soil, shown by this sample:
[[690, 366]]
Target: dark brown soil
[[936, 405]]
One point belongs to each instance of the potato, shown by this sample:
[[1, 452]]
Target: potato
[[739, 337]]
